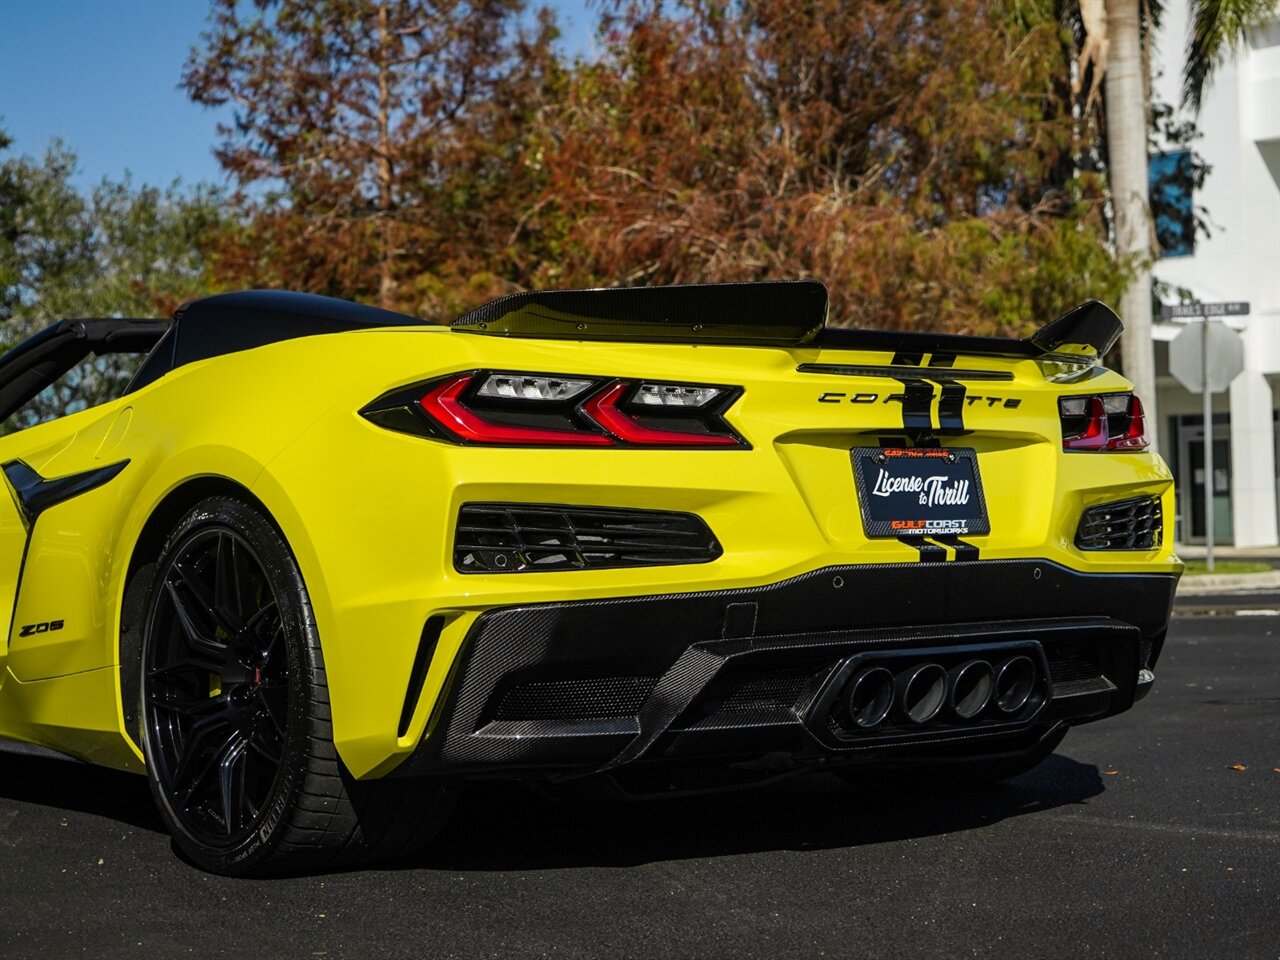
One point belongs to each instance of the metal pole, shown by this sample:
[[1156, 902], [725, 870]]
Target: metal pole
[[1208, 444]]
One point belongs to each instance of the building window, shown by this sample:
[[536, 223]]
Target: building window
[[1172, 177], [1267, 35]]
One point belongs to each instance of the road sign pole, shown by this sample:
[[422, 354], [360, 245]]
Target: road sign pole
[[1208, 444]]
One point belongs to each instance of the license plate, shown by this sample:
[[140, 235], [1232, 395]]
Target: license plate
[[919, 491]]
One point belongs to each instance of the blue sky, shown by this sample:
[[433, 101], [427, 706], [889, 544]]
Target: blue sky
[[103, 76]]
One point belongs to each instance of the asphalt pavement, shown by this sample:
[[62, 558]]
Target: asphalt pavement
[[1153, 834]]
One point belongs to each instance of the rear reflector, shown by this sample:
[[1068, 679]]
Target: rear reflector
[[526, 538]]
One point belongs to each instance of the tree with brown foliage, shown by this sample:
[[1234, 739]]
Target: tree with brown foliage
[[922, 157], [917, 156], [359, 127]]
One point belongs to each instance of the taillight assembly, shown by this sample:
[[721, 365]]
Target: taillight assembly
[[497, 408], [1104, 421]]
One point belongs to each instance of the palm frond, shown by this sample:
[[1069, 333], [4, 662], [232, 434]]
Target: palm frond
[[1218, 27]]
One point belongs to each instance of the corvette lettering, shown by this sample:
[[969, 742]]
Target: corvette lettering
[[1004, 403]]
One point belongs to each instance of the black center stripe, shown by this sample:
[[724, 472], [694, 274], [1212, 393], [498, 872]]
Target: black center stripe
[[917, 421], [929, 552], [964, 551], [917, 399], [951, 407]]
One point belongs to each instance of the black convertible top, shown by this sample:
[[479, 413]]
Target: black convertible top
[[227, 322]]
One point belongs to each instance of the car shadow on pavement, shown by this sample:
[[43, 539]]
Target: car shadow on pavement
[[80, 787], [508, 827]]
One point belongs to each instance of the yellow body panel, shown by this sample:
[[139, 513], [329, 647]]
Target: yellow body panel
[[369, 513]]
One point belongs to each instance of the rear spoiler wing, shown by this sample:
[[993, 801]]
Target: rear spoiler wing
[[788, 313]]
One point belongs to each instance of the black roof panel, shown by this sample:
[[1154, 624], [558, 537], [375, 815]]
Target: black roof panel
[[229, 322]]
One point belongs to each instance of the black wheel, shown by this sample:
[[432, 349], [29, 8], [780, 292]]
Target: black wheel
[[235, 712]]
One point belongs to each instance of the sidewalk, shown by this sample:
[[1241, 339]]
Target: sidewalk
[[1210, 584], [1189, 551]]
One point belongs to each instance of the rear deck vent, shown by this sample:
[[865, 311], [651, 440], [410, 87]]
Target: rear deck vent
[[526, 538], [1133, 524]]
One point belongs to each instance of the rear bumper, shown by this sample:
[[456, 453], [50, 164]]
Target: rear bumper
[[740, 675]]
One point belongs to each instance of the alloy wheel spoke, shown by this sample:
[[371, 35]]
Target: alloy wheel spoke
[[267, 750], [232, 589], [190, 707], [215, 724], [255, 634], [269, 708], [188, 665], [231, 784], [199, 638]]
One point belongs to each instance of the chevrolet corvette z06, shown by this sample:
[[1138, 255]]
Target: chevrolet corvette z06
[[321, 563]]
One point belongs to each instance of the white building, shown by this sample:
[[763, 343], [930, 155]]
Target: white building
[[1240, 120]]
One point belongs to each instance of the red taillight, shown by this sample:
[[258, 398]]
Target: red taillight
[[1107, 421], [442, 404], [1135, 437], [603, 409], [535, 409]]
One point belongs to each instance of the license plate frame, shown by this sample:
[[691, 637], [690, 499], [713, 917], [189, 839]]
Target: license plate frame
[[919, 491]]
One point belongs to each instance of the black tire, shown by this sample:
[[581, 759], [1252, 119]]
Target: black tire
[[235, 713], [953, 774]]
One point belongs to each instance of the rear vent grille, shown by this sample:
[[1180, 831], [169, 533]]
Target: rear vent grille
[[599, 698], [1074, 669], [1133, 524], [522, 538]]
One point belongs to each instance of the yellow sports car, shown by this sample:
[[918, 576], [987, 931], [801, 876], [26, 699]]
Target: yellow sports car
[[320, 562]]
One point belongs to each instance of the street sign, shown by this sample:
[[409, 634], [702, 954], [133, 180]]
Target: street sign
[[1205, 361], [1181, 311], [1215, 351]]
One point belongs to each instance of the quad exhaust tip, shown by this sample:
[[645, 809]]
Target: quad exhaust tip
[[1015, 682], [922, 692], [971, 685], [919, 693], [871, 697]]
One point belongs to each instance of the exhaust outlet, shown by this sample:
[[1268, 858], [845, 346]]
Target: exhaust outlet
[[1015, 682], [971, 685], [922, 691], [871, 697]]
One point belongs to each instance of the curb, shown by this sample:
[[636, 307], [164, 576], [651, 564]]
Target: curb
[[1212, 583]]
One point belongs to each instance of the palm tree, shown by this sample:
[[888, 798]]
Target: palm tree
[[1115, 31]]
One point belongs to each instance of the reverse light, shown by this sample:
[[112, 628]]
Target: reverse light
[[1107, 421], [535, 409], [674, 395], [531, 388]]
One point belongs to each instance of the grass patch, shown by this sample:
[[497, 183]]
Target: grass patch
[[1196, 568]]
